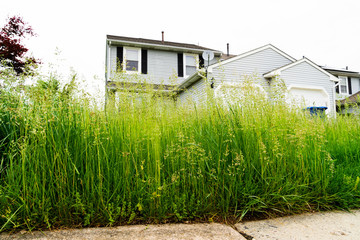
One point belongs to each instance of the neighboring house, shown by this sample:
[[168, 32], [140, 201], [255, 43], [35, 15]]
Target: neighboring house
[[347, 90], [176, 66], [349, 83]]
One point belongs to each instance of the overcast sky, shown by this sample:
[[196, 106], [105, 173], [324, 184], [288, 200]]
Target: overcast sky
[[325, 31]]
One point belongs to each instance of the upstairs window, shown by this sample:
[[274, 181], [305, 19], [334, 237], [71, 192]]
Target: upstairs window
[[343, 85], [132, 59], [191, 64]]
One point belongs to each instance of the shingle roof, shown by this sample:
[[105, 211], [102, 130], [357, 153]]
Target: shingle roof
[[342, 72], [158, 42], [351, 99]]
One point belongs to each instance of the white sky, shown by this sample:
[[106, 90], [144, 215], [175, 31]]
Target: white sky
[[325, 31]]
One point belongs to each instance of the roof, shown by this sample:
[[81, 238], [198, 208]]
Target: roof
[[158, 44], [290, 65], [351, 99], [342, 72], [226, 57]]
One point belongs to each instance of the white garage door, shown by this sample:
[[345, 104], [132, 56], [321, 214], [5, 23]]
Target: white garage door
[[309, 97]]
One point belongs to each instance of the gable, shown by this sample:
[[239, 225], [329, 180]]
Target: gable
[[259, 62], [305, 72], [265, 53], [256, 63]]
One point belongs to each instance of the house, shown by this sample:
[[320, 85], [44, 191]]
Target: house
[[349, 83], [176, 67], [347, 90], [306, 82], [159, 61]]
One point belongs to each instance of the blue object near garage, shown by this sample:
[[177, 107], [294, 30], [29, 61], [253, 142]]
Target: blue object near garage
[[317, 111]]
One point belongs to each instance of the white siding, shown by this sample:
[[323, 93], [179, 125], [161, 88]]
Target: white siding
[[162, 67], [258, 63], [194, 94]]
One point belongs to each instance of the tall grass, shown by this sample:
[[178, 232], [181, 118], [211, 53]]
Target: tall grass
[[65, 162]]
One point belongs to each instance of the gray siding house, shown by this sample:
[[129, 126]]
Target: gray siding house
[[178, 67], [156, 62]]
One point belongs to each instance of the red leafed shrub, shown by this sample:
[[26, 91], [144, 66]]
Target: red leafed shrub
[[12, 50]]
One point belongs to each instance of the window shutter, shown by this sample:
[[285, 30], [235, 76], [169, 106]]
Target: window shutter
[[349, 85], [201, 61], [180, 65], [337, 88], [119, 58], [144, 61]]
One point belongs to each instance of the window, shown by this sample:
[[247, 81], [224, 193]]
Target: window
[[132, 59], [191, 64], [343, 85]]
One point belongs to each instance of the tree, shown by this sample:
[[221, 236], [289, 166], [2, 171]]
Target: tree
[[12, 50]]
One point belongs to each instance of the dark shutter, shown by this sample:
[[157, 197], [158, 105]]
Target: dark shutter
[[337, 88], [180, 65], [119, 58], [144, 60], [349, 85], [201, 61]]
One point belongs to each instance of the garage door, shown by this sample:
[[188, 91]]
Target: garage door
[[309, 97]]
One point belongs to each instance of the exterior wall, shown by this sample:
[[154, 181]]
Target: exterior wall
[[257, 63], [307, 75], [162, 66], [194, 94], [352, 110]]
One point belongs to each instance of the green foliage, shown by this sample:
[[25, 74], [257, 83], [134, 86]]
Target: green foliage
[[65, 162]]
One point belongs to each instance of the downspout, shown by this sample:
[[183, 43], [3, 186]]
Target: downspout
[[107, 65]]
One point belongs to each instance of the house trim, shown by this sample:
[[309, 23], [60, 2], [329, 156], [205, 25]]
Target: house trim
[[196, 57], [139, 60], [311, 87], [308, 87]]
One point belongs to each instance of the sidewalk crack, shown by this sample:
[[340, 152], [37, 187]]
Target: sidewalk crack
[[246, 236]]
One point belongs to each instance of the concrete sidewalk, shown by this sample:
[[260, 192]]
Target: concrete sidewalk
[[327, 225]]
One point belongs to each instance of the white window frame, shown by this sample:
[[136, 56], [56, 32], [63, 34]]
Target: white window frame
[[345, 79], [196, 63], [139, 60]]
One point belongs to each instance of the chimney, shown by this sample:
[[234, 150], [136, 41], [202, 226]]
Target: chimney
[[227, 45], [162, 35], [347, 68]]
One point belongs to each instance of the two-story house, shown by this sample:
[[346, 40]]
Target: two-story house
[[347, 90], [176, 66], [157, 61]]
